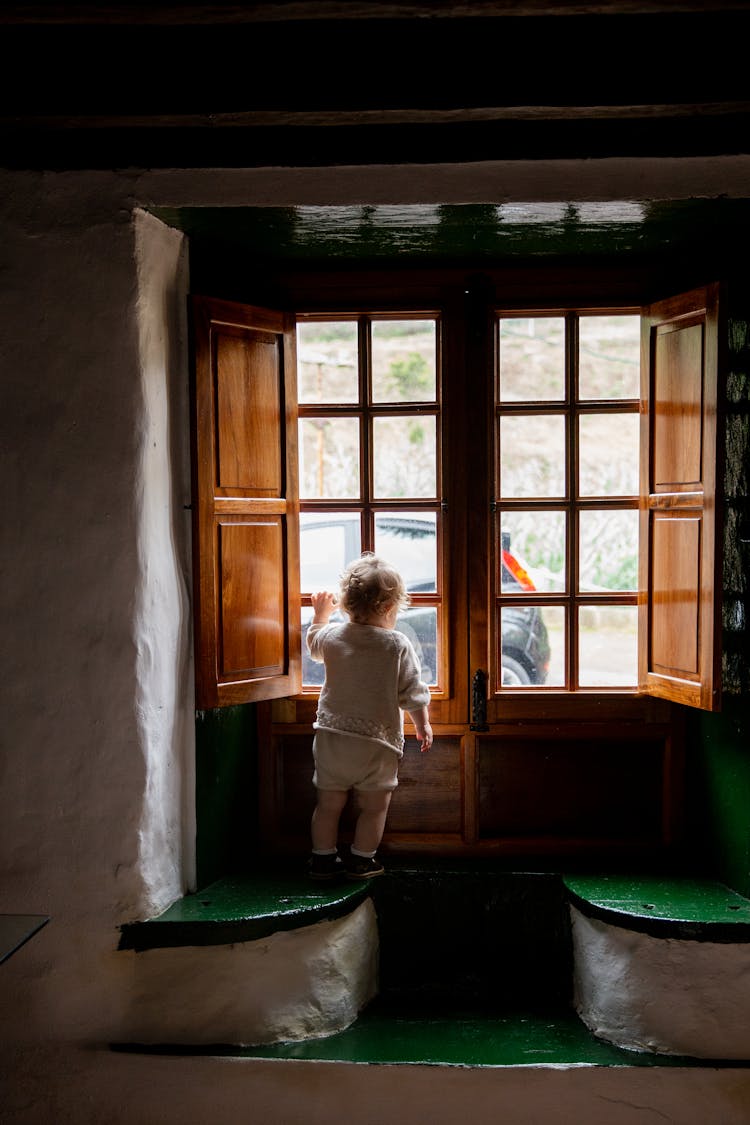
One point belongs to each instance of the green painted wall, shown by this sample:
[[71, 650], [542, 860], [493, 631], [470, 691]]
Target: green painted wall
[[719, 785], [226, 791], [719, 744], [718, 775]]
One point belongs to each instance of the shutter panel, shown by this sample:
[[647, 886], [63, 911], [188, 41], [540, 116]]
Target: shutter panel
[[245, 504], [680, 602]]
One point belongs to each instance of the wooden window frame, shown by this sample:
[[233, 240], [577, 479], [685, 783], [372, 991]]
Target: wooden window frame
[[214, 506], [367, 505], [571, 408]]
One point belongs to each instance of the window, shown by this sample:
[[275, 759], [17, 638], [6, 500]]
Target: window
[[566, 500], [339, 435], [370, 465], [427, 432]]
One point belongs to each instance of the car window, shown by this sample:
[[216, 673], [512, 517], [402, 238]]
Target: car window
[[329, 541], [408, 542]]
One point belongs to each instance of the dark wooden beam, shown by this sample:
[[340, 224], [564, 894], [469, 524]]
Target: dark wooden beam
[[276, 11]]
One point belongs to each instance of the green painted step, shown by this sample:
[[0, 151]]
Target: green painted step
[[673, 906], [474, 907], [244, 908]]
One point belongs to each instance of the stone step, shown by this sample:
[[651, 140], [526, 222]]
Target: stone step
[[444, 949]]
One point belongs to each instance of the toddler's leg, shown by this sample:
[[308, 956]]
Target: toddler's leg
[[325, 819], [371, 820]]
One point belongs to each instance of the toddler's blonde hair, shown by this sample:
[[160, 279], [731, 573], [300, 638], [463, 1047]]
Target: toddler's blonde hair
[[371, 586]]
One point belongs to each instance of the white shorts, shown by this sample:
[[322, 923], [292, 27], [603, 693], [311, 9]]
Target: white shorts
[[346, 761]]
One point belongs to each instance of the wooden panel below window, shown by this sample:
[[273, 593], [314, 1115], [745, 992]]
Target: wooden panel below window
[[426, 802], [575, 789], [597, 785], [428, 798], [294, 790]]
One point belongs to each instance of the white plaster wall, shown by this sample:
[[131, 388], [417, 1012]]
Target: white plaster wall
[[662, 995], [90, 827], [292, 985], [95, 820], [165, 705]]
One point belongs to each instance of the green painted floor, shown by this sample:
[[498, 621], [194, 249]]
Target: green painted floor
[[388, 1033]]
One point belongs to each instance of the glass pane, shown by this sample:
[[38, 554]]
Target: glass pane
[[408, 541], [608, 454], [532, 556], [404, 360], [405, 456], [327, 369], [532, 646], [328, 542], [312, 672], [608, 646], [608, 551], [609, 357], [532, 456], [328, 458], [532, 359], [419, 624]]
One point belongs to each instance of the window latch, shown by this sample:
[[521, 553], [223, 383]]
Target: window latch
[[479, 701]]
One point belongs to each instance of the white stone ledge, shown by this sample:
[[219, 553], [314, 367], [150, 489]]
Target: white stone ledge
[[294, 985], [664, 995]]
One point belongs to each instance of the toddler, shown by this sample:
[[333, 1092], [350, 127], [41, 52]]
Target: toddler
[[372, 675]]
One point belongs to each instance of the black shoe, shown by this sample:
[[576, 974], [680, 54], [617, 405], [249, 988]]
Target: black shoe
[[363, 867], [324, 867]]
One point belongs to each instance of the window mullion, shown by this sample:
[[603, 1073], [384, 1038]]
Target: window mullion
[[366, 450], [366, 424], [573, 478]]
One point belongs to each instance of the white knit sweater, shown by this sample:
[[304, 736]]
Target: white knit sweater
[[372, 677]]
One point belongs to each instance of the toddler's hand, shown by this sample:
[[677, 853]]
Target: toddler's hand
[[425, 738], [323, 604]]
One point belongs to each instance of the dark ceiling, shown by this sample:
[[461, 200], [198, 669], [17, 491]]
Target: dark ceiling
[[307, 83], [304, 83]]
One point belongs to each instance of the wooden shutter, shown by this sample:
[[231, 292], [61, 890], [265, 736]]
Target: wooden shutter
[[680, 583], [245, 504]]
